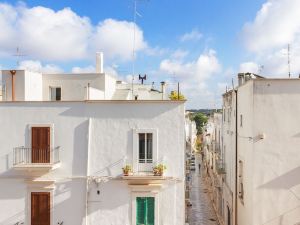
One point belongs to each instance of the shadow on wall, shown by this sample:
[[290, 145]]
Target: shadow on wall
[[115, 168], [70, 195], [112, 194], [285, 181], [18, 217], [80, 149]]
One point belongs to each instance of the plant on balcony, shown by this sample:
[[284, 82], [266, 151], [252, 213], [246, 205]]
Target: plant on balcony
[[127, 170], [159, 170]]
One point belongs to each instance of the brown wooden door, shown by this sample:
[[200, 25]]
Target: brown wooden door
[[40, 144], [40, 208]]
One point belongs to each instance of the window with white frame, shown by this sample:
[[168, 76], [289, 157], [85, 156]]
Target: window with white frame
[[145, 148], [55, 93]]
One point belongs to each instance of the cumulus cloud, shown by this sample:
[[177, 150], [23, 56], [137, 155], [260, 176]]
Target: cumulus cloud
[[46, 34], [250, 67], [194, 35], [116, 38], [36, 66], [193, 75], [276, 25]]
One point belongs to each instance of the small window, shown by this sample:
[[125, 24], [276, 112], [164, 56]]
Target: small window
[[55, 93], [240, 180], [145, 147], [241, 120]]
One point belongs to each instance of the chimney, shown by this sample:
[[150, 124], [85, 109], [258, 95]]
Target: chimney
[[163, 89], [99, 62]]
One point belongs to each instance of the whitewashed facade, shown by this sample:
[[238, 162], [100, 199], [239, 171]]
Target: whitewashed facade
[[91, 137], [260, 139]]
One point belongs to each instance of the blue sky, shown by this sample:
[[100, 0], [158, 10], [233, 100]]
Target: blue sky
[[201, 43]]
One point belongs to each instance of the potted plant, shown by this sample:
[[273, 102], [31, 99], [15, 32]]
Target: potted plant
[[127, 170], [159, 169]]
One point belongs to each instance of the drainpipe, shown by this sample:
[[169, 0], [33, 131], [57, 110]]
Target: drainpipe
[[236, 154], [163, 89], [13, 73]]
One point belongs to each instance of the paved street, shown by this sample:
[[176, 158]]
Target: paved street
[[201, 212]]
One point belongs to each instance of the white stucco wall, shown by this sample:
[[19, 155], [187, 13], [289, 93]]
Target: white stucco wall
[[245, 152], [271, 163], [33, 86], [94, 138], [19, 85], [73, 86], [276, 184]]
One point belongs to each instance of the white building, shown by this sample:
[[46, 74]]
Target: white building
[[260, 139], [65, 140]]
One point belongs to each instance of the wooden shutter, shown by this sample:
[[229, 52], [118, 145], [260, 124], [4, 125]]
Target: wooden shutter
[[145, 210], [40, 208], [40, 143]]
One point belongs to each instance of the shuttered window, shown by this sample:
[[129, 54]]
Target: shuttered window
[[145, 210]]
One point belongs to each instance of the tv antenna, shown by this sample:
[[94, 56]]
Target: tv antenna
[[135, 13], [18, 56], [260, 69]]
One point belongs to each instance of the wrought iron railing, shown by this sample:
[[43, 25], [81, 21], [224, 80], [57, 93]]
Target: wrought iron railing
[[22, 155]]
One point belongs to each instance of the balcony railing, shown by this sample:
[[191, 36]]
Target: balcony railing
[[32, 156]]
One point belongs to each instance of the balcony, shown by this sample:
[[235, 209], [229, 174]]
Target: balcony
[[36, 159]]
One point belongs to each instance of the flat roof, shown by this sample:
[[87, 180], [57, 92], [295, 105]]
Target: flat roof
[[102, 101]]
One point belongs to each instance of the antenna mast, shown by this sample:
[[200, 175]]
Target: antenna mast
[[289, 61], [18, 55]]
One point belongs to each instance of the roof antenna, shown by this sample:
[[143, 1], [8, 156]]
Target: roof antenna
[[18, 56], [135, 13]]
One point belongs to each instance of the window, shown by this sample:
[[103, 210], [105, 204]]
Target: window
[[55, 93], [240, 180], [241, 120], [145, 148]]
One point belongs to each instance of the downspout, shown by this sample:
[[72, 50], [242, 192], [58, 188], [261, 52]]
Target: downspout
[[87, 173], [13, 73], [236, 154]]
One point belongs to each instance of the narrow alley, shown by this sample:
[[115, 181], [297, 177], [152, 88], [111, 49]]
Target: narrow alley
[[201, 212]]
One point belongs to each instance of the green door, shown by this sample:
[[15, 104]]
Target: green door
[[145, 211]]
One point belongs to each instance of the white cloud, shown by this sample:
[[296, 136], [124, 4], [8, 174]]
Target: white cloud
[[87, 69], [193, 76], [115, 38], [61, 35], [250, 67], [276, 25], [194, 35], [179, 54], [37, 66]]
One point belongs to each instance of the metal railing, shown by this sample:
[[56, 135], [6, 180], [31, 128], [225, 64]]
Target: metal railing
[[22, 155]]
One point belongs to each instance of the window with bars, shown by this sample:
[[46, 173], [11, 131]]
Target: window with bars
[[145, 148]]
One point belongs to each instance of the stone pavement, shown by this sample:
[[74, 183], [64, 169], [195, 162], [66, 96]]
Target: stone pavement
[[201, 212]]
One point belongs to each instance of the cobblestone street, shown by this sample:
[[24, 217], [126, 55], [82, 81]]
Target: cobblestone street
[[201, 212]]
